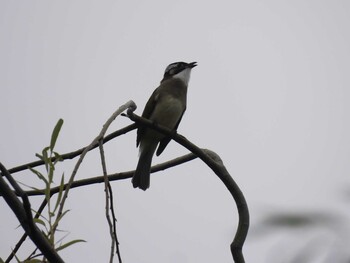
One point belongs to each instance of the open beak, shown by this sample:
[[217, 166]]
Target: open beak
[[192, 64]]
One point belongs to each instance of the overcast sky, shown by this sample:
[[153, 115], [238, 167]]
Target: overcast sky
[[270, 95]]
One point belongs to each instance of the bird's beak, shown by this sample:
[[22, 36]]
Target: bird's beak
[[192, 64]]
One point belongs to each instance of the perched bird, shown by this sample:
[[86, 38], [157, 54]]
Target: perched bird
[[165, 107]]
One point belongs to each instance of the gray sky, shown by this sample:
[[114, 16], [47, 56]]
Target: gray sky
[[270, 95]]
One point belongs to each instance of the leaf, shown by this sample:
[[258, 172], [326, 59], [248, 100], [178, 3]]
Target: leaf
[[60, 192], [44, 219], [62, 215], [58, 157], [33, 260], [47, 193], [51, 172], [39, 221], [1, 261], [55, 133], [58, 218], [45, 157], [41, 158], [69, 244], [40, 176], [30, 187], [17, 259]]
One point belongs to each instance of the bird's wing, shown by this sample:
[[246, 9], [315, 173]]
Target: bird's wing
[[147, 112], [163, 143]]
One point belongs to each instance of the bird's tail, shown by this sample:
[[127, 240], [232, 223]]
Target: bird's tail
[[141, 178]]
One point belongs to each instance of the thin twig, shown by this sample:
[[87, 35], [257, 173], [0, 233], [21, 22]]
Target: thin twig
[[114, 223], [128, 105], [110, 225], [76, 153]]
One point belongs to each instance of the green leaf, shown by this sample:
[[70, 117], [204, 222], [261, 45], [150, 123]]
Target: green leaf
[[17, 259], [40, 176], [41, 158], [45, 157], [58, 157], [33, 260], [60, 192], [62, 215], [69, 244], [51, 172], [44, 219], [47, 193], [55, 133], [1, 261], [39, 221]]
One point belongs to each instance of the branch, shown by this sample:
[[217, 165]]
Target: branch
[[66, 156], [112, 233], [97, 180], [128, 105], [117, 176], [24, 236], [216, 164], [76, 153], [210, 158], [23, 213]]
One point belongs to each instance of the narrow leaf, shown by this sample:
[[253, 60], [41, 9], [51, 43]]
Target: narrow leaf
[[41, 158], [33, 260], [62, 215], [39, 221], [47, 193], [58, 157], [51, 172], [18, 261], [45, 157], [69, 244], [55, 133], [40, 176], [60, 192]]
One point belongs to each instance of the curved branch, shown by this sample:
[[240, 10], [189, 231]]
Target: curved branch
[[216, 164]]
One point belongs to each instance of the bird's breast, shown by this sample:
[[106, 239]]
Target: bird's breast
[[168, 111]]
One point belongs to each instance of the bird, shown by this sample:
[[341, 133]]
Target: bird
[[165, 107]]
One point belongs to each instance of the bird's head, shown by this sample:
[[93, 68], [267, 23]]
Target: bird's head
[[180, 70]]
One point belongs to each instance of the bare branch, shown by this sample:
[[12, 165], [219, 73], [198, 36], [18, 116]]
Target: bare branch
[[118, 176], [109, 202], [76, 153]]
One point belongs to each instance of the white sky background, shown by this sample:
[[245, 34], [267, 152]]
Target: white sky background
[[270, 95]]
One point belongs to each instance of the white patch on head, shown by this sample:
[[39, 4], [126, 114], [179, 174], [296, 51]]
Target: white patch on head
[[184, 75], [173, 65]]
